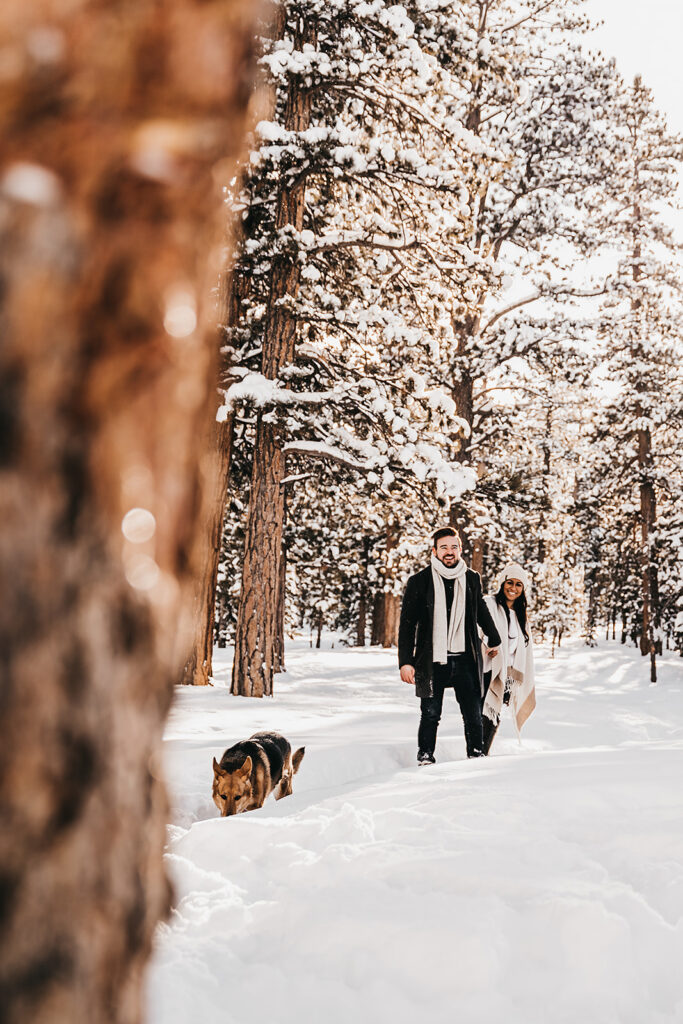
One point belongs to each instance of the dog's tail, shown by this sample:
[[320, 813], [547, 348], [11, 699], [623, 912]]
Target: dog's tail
[[297, 758]]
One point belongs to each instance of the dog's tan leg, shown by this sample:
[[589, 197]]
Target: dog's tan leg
[[285, 787]]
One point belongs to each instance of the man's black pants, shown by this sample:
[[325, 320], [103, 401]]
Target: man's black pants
[[461, 675]]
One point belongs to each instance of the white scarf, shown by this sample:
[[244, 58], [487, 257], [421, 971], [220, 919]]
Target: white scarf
[[448, 636], [519, 669]]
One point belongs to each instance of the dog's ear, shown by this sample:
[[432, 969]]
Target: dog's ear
[[297, 758], [217, 770], [245, 770]]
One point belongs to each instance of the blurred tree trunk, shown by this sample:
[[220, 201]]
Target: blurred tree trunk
[[119, 123], [386, 609]]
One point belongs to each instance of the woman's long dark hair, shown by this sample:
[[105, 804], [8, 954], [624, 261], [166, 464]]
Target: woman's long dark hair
[[519, 605]]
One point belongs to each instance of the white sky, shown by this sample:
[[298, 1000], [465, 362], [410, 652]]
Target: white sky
[[646, 38]]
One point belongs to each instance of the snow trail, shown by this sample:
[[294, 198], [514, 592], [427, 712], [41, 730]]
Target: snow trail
[[543, 884]]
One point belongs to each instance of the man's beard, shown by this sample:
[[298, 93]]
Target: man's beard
[[449, 559]]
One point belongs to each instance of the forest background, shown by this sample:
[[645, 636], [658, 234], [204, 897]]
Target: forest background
[[457, 299]]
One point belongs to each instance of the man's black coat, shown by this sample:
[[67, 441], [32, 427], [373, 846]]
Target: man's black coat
[[416, 627]]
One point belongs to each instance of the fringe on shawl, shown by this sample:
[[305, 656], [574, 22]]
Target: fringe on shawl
[[493, 704]]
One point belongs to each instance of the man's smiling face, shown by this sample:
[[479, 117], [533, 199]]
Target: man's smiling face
[[448, 551]]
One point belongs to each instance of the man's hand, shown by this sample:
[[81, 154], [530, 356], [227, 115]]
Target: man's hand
[[492, 651], [408, 674]]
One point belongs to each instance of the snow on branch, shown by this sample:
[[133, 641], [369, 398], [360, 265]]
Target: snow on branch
[[320, 450], [265, 391], [528, 16]]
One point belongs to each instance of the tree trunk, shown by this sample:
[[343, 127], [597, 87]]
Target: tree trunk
[[463, 396], [647, 492], [116, 138], [593, 609], [255, 654], [255, 639], [477, 561], [392, 614], [545, 486], [361, 621], [218, 446], [279, 652], [199, 666], [648, 516], [361, 626], [387, 605], [378, 619]]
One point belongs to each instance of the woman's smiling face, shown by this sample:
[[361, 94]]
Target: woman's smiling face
[[512, 589]]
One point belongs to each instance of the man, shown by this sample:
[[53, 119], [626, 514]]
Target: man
[[438, 642]]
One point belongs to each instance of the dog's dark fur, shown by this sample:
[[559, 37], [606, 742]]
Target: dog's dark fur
[[251, 770]]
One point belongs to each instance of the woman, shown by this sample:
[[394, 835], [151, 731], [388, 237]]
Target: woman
[[509, 676]]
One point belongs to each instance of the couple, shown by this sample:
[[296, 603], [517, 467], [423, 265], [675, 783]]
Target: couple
[[439, 646]]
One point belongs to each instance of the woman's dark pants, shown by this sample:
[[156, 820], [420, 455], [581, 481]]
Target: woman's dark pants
[[461, 675], [489, 728]]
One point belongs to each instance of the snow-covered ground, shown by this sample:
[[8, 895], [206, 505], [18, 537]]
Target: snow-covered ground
[[542, 885]]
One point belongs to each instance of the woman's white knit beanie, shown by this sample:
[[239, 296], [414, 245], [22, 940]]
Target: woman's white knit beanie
[[514, 571]]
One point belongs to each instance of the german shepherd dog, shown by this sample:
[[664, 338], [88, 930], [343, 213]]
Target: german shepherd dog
[[251, 770]]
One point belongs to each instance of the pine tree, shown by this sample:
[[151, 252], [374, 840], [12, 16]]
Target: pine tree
[[362, 365], [545, 106], [641, 332]]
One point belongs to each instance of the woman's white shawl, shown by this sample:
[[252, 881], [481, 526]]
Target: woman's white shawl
[[521, 671]]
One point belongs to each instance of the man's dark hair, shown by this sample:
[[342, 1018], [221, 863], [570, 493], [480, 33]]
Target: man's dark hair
[[444, 531]]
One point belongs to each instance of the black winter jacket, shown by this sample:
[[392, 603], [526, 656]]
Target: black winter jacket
[[416, 627]]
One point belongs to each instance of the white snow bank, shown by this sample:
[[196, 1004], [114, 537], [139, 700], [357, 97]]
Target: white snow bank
[[543, 885]]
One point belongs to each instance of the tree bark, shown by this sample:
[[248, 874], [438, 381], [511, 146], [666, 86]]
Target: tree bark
[[255, 640], [199, 666], [545, 493], [115, 138], [378, 618], [649, 585], [387, 605], [217, 447], [477, 557], [361, 622], [463, 396], [280, 607], [392, 614]]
